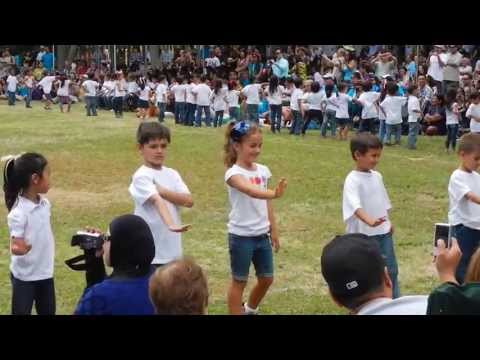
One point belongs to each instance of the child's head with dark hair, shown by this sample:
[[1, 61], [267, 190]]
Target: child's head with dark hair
[[367, 85], [29, 171], [329, 90], [240, 137], [152, 141], [315, 87], [217, 86], [475, 97], [298, 83], [342, 87], [411, 89], [469, 151], [392, 88], [366, 150], [91, 75], [232, 85], [203, 79]]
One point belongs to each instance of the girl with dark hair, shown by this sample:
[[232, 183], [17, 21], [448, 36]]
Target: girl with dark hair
[[314, 101], [232, 101], [452, 115], [63, 92], [274, 94], [143, 97], [218, 99], [31, 238]]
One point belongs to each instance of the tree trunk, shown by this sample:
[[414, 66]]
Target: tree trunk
[[71, 52], [61, 56], [155, 55]]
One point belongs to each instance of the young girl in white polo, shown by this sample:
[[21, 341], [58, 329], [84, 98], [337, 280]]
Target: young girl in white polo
[[32, 244], [252, 230]]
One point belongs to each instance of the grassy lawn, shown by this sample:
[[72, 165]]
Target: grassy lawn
[[93, 158]]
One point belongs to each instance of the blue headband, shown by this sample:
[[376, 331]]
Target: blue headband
[[239, 130]]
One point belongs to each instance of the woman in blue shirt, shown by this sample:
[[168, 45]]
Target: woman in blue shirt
[[129, 250]]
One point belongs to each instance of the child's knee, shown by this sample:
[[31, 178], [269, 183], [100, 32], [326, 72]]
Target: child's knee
[[265, 281]]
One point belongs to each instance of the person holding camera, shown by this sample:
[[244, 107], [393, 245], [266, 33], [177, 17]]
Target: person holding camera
[[129, 249], [464, 201]]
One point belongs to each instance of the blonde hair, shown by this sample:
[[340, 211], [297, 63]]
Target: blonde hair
[[473, 270], [230, 155]]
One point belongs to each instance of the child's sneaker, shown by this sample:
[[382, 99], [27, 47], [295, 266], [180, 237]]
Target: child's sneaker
[[249, 311]]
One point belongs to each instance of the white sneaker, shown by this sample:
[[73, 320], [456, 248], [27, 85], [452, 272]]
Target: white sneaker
[[249, 311]]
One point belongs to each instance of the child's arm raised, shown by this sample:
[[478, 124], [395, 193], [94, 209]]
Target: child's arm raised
[[162, 210], [273, 227], [362, 215], [238, 182]]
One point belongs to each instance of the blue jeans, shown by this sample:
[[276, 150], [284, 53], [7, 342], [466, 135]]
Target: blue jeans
[[381, 131], [118, 106], [25, 293], [275, 117], [28, 97], [11, 98], [393, 129], [218, 119], [468, 241], [331, 121], [385, 242], [91, 103], [297, 123], [206, 109], [190, 114], [245, 250], [179, 112], [234, 113], [161, 111], [452, 130], [252, 112], [413, 128]]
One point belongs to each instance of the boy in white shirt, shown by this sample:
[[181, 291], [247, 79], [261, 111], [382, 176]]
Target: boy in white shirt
[[413, 114], [202, 93], [161, 97], [369, 109], [473, 112], [180, 91], [12, 82], [252, 93], [158, 191], [296, 106], [392, 106], [366, 202], [464, 201], [190, 105], [91, 87]]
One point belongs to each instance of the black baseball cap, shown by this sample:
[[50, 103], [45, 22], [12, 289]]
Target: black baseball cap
[[352, 265]]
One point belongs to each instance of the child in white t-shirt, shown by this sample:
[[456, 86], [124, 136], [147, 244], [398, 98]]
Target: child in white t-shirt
[[252, 94], [296, 105], [329, 110], [342, 115], [218, 99], [366, 202], [179, 90], [473, 112], [91, 87], [158, 192], [161, 97], [452, 115], [464, 201], [367, 100], [274, 93], [392, 106], [232, 101], [413, 105], [32, 245], [252, 229], [12, 83]]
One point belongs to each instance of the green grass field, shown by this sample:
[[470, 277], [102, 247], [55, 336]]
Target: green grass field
[[93, 158]]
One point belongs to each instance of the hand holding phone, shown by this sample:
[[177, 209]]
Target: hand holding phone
[[444, 232]]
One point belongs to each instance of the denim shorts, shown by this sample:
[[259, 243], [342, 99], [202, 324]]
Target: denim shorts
[[245, 250]]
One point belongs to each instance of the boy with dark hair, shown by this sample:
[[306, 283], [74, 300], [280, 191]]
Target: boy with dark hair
[[158, 191], [354, 269], [366, 202], [464, 200]]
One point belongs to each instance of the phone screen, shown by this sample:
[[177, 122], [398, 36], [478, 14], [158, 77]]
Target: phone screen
[[442, 231]]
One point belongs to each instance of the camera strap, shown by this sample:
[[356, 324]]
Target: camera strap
[[73, 263]]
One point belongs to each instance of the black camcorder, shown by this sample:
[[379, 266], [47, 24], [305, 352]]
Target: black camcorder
[[87, 241]]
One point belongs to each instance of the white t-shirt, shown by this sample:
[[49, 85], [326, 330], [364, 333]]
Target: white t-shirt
[[342, 102], [12, 82], [248, 216], [452, 116], [276, 97], [232, 98], [144, 94], [46, 84], [120, 88], [190, 98], [203, 92], [161, 92], [65, 89], [132, 87], [405, 305], [435, 70], [365, 190], [413, 104], [369, 109], [314, 100], [91, 87], [475, 111], [251, 91], [179, 90], [318, 78], [219, 100], [168, 245], [305, 104], [296, 95], [331, 102], [31, 222], [392, 105], [460, 209]]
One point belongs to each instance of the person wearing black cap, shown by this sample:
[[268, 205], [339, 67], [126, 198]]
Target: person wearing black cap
[[357, 278], [129, 249]]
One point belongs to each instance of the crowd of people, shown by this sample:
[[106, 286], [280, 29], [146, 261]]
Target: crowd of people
[[144, 249]]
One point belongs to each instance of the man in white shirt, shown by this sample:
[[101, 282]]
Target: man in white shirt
[[202, 93], [357, 278], [436, 63], [450, 70]]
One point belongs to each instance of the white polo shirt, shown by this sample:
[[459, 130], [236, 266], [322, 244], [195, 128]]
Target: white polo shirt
[[160, 92], [252, 92], [31, 222], [168, 246]]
